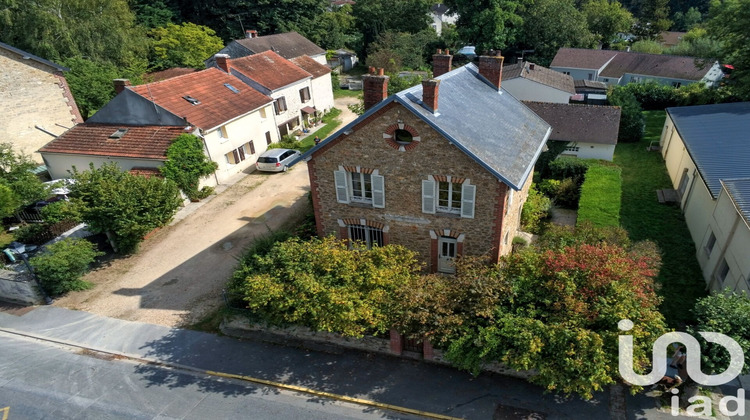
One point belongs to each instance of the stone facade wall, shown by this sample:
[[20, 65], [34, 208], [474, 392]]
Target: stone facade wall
[[18, 288], [33, 94], [403, 173]]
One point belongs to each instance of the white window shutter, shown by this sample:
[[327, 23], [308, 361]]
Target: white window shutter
[[468, 192], [378, 191], [428, 196], [342, 190]]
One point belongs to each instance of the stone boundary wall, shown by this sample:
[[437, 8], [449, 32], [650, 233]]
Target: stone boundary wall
[[18, 288], [238, 326]]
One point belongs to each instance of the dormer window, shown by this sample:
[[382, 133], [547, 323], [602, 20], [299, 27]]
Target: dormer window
[[192, 100], [118, 134]]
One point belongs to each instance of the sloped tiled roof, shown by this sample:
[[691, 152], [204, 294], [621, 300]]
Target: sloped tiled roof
[[145, 142], [739, 192], [539, 74], [311, 66], [579, 58], [584, 123], [287, 45], [269, 69], [490, 126], [671, 38], [158, 76], [217, 103], [716, 137], [658, 65]]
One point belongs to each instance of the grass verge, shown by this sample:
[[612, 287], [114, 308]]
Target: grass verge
[[600, 196], [644, 218], [331, 122]]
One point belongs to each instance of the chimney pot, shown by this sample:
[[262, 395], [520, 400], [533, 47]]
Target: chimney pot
[[120, 85], [381, 72], [441, 63], [371, 70], [222, 60], [491, 68], [430, 94], [439, 51], [251, 33]]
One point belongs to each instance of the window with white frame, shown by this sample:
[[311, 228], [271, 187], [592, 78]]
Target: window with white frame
[[448, 195], [366, 235], [222, 132], [280, 105], [710, 243], [360, 186]]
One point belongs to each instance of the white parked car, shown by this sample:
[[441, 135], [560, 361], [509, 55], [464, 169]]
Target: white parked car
[[276, 160]]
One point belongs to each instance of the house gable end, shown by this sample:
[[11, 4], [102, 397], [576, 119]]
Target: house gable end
[[130, 108]]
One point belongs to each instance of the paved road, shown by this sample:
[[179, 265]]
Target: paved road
[[43, 380]]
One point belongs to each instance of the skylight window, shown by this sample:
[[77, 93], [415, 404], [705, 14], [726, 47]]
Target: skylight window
[[232, 88], [119, 133], [190, 99]]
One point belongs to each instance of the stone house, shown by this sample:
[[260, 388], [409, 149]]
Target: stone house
[[442, 168], [288, 45], [705, 150], [37, 102]]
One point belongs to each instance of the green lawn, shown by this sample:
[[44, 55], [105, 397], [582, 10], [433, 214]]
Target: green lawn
[[600, 196], [340, 93], [643, 217], [330, 121]]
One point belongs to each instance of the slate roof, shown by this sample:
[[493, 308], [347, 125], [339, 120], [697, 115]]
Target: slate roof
[[145, 142], [658, 65], [311, 66], [579, 58], [493, 128], [739, 192], [716, 137], [269, 70], [218, 104], [579, 123], [287, 45], [30, 56], [539, 74]]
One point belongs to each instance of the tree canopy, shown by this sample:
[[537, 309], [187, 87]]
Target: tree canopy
[[730, 24], [549, 25], [186, 164], [487, 24], [374, 17], [18, 186], [605, 19], [185, 45]]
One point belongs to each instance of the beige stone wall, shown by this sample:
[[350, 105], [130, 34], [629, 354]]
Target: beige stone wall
[[31, 95], [404, 172]]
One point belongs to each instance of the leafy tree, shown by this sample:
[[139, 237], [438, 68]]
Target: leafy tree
[[91, 83], [374, 17], [632, 123], [186, 164], [487, 24], [395, 51], [325, 286], [335, 29], [15, 176], [730, 24], [705, 48], [153, 13], [124, 206], [653, 19], [62, 264], [549, 25], [101, 30], [647, 46], [9, 202], [605, 19], [398, 83], [186, 45], [724, 312], [534, 210], [686, 21]]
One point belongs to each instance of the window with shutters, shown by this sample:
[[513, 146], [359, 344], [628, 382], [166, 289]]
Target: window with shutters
[[279, 105], [250, 147], [268, 137], [366, 235], [235, 156], [304, 94], [360, 185], [448, 195]]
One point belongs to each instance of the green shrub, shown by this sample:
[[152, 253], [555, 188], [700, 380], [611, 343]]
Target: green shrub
[[549, 187], [653, 96], [62, 264], [61, 211], [569, 192], [568, 167], [632, 122], [724, 312], [27, 233], [535, 209], [186, 164], [601, 196]]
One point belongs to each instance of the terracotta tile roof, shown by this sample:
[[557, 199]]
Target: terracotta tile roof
[[311, 66], [584, 123], [288, 45], [158, 76], [146, 142], [590, 84], [539, 74], [658, 65], [216, 105], [146, 172], [579, 58], [269, 69]]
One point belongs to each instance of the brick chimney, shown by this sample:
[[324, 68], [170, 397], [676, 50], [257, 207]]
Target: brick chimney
[[375, 87], [222, 60], [120, 85], [491, 68], [251, 33], [430, 94], [441, 63]]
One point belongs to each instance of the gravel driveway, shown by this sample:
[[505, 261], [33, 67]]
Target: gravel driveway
[[177, 276]]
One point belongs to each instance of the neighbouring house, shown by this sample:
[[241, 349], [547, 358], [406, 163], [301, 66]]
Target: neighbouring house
[[321, 85], [589, 87], [288, 45], [235, 121], [37, 102], [532, 82], [670, 38], [138, 148], [286, 83], [621, 67], [706, 151], [442, 168], [440, 14], [344, 59], [589, 130]]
